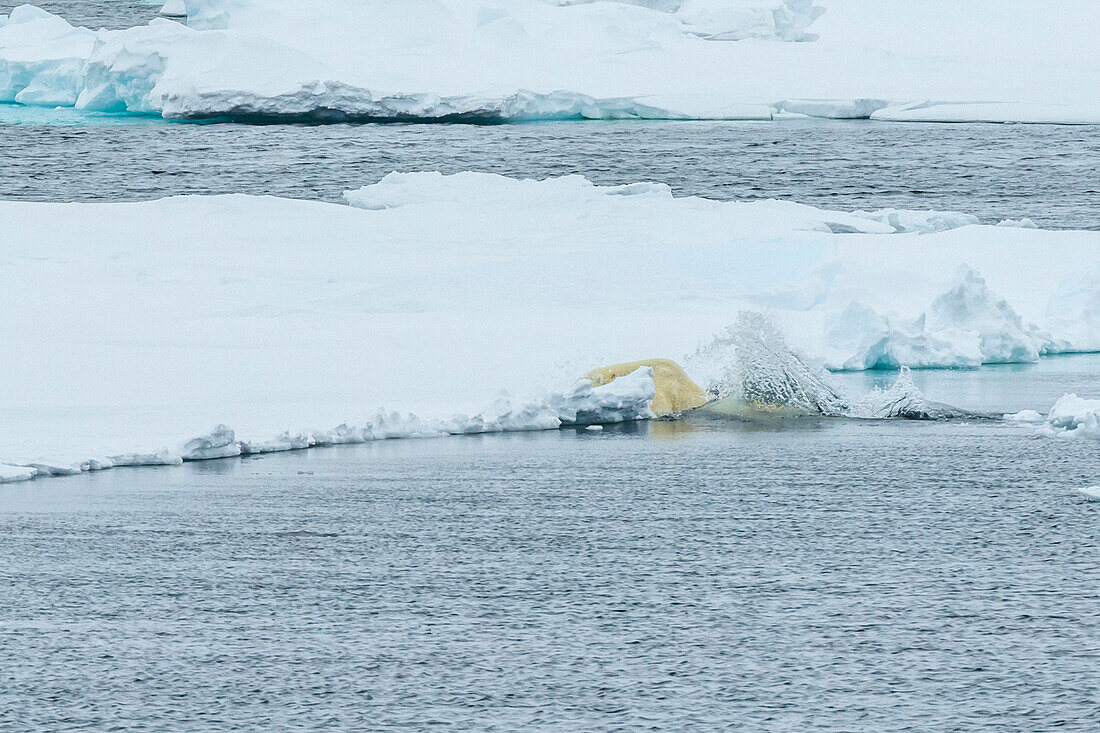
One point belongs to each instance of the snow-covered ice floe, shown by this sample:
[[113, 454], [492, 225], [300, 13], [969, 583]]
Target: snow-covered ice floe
[[486, 60], [1092, 493], [472, 303]]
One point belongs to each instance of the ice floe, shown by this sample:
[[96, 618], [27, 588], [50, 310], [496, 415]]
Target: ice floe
[[136, 326], [257, 60]]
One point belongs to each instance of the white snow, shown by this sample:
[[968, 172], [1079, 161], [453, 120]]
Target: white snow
[[132, 328], [916, 60], [1073, 315]]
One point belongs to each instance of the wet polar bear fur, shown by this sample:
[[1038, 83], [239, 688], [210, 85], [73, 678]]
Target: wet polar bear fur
[[675, 392]]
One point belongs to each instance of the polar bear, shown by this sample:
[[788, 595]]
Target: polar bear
[[675, 392]]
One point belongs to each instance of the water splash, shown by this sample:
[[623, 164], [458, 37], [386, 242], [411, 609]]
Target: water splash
[[750, 362]]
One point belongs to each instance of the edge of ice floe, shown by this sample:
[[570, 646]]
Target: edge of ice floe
[[336, 102], [626, 399]]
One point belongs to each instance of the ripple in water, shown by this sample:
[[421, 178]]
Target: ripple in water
[[669, 577], [995, 172]]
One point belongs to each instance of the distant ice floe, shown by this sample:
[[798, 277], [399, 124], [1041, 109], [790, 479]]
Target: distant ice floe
[[1091, 493], [488, 61]]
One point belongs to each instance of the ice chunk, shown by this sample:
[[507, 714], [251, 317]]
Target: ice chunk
[[921, 222], [964, 327], [1024, 223], [221, 442], [284, 442], [1069, 417], [11, 474], [972, 307], [1074, 416], [505, 415], [861, 338], [343, 434], [101, 463], [174, 8], [162, 457], [55, 467], [622, 400], [1025, 417], [733, 20], [1092, 493]]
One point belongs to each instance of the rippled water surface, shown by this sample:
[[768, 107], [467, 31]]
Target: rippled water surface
[[995, 172], [669, 577], [97, 13]]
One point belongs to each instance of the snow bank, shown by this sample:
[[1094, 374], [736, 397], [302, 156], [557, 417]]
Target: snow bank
[[132, 327], [919, 60], [1070, 417]]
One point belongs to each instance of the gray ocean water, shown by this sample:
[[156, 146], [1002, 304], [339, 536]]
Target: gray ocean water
[[805, 574], [822, 576], [996, 172]]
